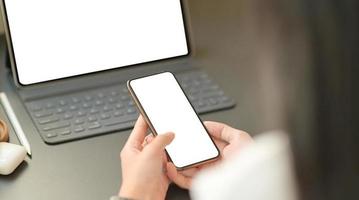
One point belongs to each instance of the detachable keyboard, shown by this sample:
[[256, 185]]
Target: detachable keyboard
[[108, 109]]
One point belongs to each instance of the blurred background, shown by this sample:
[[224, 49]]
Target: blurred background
[[290, 65], [1, 25]]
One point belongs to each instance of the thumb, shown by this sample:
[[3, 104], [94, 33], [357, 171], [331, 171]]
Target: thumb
[[161, 141]]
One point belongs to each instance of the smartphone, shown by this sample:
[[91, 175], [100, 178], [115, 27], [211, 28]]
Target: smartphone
[[165, 107]]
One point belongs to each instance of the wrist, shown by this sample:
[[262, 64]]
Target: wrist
[[119, 198], [128, 192], [136, 192]]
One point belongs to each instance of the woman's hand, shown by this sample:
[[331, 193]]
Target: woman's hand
[[143, 166], [228, 141]]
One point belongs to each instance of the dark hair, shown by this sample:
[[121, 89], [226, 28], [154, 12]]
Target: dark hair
[[326, 150]]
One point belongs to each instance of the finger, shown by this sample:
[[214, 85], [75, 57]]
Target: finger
[[223, 132], [138, 133], [148, 139], [220, 144], [161, 141], [214, 128], [164, 161], [210, 164], [179, 179], [190, 172]]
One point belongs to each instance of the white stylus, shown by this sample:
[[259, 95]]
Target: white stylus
[[15, 122]]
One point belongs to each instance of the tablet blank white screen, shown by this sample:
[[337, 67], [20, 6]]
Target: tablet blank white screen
[[168, 110], [55, 39]]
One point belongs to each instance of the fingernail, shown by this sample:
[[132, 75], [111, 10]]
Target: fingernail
[[170, 133]]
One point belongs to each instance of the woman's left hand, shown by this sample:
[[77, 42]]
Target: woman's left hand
[[143, 166], [228, 141]]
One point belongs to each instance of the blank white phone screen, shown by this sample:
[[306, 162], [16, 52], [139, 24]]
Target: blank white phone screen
[[54, 39], [168, 110]]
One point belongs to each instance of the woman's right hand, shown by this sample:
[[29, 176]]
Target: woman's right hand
[[228, 141]]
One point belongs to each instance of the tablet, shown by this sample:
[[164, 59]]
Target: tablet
[[55, 39]]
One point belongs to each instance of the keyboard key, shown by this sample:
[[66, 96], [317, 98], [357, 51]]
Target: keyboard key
[[199, 104], [75, 99], [124, 97], [79, 121], [88, 98], [212, 101], [101, 95], [68, 116], [192, 97], [131, 110], [118, 113], [50, 105], [125, 90], [210, 93], [50, 135], [73, 107], [86, 105], [65, 132], [107, 108], [214, 87], [56, 126], [99, 102], [80, 113], [114, 93], [206, 82], [62, 103], [120, 120], [184, 85], [105, 116], [48, 120], [224, 99], [60, 110], [94, 125], [196, 83], [91, 119], [43, 114], [193, 91], [94, 111], [79, 129], [111, 100], [35, 108]]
